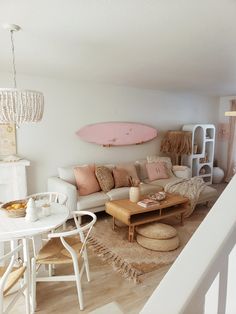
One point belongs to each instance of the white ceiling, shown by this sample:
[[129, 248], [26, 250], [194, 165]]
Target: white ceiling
[[183, 45]]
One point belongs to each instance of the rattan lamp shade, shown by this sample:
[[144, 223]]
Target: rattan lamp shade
[[177, 143], [17, 105], [20, 106]]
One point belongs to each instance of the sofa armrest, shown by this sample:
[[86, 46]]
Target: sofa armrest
[[56, 184], [182, 172]]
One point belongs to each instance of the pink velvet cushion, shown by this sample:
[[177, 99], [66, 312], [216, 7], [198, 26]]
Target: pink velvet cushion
[[86, 180], [156, 170], [121, 177]]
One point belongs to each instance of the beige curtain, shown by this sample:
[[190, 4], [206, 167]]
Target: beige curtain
[[231, 159]]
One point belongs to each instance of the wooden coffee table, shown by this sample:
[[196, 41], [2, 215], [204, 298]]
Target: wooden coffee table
[[133, 215]]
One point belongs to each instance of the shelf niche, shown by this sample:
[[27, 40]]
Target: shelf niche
[[198, 139]]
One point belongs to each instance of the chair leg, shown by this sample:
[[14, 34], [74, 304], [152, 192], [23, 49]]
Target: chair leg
[[33, 283], [78, 284], [86, 262]]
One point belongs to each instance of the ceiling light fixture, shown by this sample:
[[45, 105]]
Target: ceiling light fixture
[[17, 105]]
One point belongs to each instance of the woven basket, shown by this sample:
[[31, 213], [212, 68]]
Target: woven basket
[[15, 213]]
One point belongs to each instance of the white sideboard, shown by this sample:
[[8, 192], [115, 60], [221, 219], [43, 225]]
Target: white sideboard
[[13, 181]]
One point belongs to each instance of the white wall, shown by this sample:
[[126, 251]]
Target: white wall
[[70, 105]]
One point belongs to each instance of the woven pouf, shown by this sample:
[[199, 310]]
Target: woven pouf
[[157, 237]]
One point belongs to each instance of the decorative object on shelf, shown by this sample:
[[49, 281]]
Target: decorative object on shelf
[[203, 135], [177, 143], [117, 133], [17, 105], [223, 132], [195, 147], [7, 139], [31, 211], [11, 158], [134, 194], [217, 175]]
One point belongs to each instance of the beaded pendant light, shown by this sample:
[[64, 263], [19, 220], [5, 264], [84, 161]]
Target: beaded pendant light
[[19, 105]]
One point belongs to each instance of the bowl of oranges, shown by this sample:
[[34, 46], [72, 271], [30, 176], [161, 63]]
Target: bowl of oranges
[[16, 208]]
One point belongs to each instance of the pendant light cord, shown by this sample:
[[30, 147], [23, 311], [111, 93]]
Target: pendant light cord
[[13, 59]]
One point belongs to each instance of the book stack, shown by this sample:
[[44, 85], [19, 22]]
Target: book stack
[[147, 203]]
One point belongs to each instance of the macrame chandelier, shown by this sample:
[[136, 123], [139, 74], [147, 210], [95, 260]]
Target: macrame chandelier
[[16, 105]]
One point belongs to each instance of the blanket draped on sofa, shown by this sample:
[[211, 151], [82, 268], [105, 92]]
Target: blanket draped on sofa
[[191, 188]]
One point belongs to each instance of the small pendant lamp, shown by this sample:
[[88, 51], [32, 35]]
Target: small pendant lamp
[[19, 105]]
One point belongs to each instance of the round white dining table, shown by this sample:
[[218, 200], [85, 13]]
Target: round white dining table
[[19, 228]]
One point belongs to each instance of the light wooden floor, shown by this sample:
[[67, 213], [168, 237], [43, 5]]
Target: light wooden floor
[[106, 286]]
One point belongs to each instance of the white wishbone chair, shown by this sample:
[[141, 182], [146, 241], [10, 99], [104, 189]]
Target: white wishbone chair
[[49, 197], [9, 276], [41, 199], [68, 247]]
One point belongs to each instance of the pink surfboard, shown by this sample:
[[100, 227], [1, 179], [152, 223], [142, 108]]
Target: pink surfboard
[[117, 133]]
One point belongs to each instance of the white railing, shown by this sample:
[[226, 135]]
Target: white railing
[[203, 277]]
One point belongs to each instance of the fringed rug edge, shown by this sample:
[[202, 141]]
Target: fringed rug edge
[[119, 264]]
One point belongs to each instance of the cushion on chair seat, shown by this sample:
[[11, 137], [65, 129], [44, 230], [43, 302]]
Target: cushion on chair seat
[[54, 252], [156, 230], [92, 200], [13, 277], [158, 245]]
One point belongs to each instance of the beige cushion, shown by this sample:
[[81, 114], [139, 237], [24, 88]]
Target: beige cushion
[[156, 230], [121, 178], [158, 245], [149, 188], [167, 160], [105, 178], [141, 169], [163, 182], [92, 200], [208, 194], [119, 193], [131, 169]]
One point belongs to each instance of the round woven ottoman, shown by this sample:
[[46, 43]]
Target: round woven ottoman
[[157, 237]]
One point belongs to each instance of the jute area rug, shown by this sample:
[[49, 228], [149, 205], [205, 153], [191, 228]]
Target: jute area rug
[[130, 259]]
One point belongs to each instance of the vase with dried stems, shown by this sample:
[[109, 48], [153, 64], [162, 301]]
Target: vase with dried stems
[[134, 191]]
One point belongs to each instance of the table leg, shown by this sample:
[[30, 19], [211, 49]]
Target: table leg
[[131, 234], [27, 273]]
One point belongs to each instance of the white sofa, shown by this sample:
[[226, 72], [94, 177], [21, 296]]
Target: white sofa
[[95, 202]]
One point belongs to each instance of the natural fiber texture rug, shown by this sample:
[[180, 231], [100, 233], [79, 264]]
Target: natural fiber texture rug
[[132, 260]]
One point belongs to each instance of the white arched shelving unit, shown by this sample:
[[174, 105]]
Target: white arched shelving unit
[[203, 145]]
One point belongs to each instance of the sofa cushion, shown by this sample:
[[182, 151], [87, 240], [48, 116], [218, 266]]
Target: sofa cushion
[[93, 200], [121, 178], [150, 188], [105, 178], [141, 169], [163, 182], [86, 180], [167, 160], [157, 170], [131, 169], [67, 174], [209, 193], [119, 193]]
